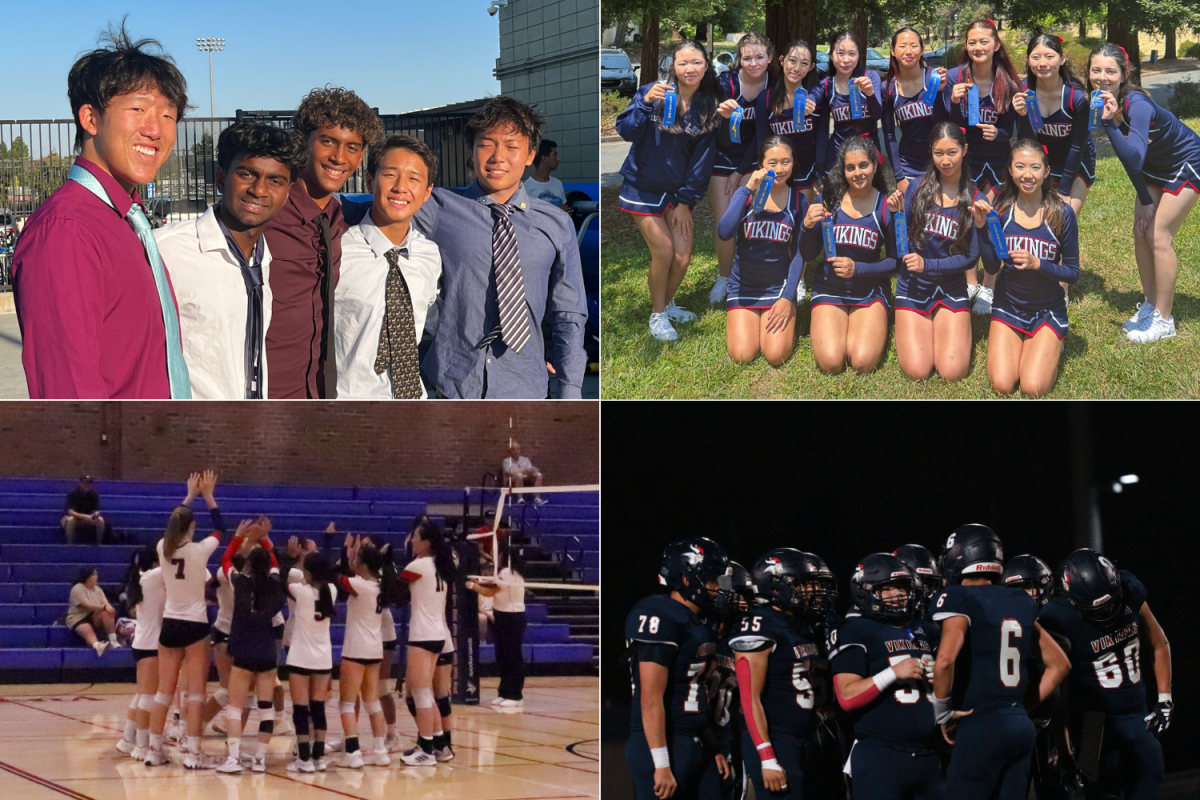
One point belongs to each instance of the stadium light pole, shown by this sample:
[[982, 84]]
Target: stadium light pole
[[208, 45]]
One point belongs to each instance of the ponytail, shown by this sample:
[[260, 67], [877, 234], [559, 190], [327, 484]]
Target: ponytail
[[266, 593], [441, 552], [178, 530], [141, 562], [323, 575]]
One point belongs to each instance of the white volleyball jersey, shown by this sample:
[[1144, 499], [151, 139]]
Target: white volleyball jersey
[[185, 575], [310, 648], [364, 637], [224, 602], [295, 575], [427, 616], [387, 625], [448, 647], [150, 610]]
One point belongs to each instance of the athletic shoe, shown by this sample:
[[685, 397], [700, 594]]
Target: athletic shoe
[[972, 291], [352, 760], [444, 754], [174, 731], [321, 764], [138, 754], [1158, 328], [155, 758], [231, 765], [661, 329], [392, 743], [983, 302], [259, 764], [301, 766], [100, 647], [334, 745], [801, 292], [540, 501], [126, 747], [717, 295], [379, 758], [417, 757], [511, 703], [678, 314], [1140, 319], [194, 761], [497, 700], [114, 645]]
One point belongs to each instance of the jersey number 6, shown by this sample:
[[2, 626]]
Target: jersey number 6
[[1010, 656]]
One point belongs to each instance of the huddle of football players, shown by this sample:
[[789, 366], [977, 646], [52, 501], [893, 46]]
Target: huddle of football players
[[959, 677]]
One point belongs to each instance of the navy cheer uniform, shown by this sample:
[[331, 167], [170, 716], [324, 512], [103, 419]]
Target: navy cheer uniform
[[787, 696], [943, 282], [915, 119], [729, 154], [1064, 134], [665, 631], [988, 160], [251, 636], [808, 140], [1155, 148], [894, 755], [1106, 676], [723, 720], [864, 241], [830, 104], [1027, 299], [665, 166], [767, 263], [992, 746]]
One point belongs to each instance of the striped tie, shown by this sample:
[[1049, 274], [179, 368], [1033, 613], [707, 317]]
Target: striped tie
[[510, 287]]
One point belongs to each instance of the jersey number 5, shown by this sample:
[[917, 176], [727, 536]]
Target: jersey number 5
[[804, 691], [1010, 656], [906, 696]]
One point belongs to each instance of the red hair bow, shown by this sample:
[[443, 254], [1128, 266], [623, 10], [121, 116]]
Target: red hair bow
[[1122, 49], [992, 22], [964, 130], [1045, 150], [1060, 39]]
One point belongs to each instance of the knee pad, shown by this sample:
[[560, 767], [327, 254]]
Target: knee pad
[[134, 704], [197, 699], [347, 707], [266, 724], [374, 707], [221, 695], [163, 699], [300, 719], [146, 702], [264, 706], [443, 706], [317, 709], [423, 698], [412, 707], [233, 713]]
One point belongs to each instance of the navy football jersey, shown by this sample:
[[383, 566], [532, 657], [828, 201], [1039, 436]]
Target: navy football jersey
[[1106, 668], [903, 714], [722, 692], [666, 632], [997, 644], [788, 697]]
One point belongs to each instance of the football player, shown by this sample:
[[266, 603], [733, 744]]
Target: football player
[[995, 630], [775, 653], [1104, 621], [927, 575], [669, 651], [881, 669]]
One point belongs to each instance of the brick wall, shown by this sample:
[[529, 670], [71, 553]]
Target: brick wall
[[347, 444]]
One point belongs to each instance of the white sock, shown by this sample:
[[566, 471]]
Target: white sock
[[130, 731], [260, 751], [193, 744], [143, 737], [156, 742], [391, 730], [235, 747], [97, 645]]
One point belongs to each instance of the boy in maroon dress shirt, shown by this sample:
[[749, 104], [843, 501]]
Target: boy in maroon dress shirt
[[91, 314]]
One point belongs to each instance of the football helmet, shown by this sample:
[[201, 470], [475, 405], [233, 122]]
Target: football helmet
[[1091, 584], [927, 575], [697, 559], [737, 591], [1027, 571], [795, 581], [866, 585], [972, 550]]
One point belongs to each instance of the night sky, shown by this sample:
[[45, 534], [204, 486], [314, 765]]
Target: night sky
[[844, 480]]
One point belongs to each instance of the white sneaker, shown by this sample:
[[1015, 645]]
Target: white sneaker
[[352, 760], [231, 765], [301, 766], [972, 290], [661, 328], [716, 295], [114, 645], [983, 302], [259, 764], [174, 731], [444, 754], [1158, 328], [194, 761], [801, 292], [511, 703], [678, 314], [540, 501], [497, 700], [379, 758], [100, 647], [138, 754], [334, 745], [126, 747], [155, 758], [321, 764], [392, 743], [1141, 317], [417, 757]]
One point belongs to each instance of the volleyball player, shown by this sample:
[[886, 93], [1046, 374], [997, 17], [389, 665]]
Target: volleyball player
[[905, 109], [848, 59], [387, 630], [312, 587], [214, 709], [183, 642], [147, 595]]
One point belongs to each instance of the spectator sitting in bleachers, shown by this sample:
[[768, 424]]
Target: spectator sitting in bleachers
[[518, 470], [90, 611], [82, 511]]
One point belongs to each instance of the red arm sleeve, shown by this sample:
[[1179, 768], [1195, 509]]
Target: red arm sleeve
[[344, 582], [409, 577], [859, 700], [765, 751], [235, 544], [270, 548]]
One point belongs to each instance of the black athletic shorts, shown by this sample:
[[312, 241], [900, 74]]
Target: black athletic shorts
[[138, 655], [445, 658], [432, 647], [254, 665], [391, 645], [306, 671], [87, 619], [366, 662], [178, 633], [219, 637]]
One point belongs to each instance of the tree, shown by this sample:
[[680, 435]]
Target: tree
[[791, 19]]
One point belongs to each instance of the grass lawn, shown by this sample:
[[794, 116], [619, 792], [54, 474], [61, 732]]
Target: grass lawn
[[1097, 363], [611, 105]]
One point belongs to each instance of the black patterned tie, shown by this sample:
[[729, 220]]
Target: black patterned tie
[[510, 286], [327, 287], [397, 337]]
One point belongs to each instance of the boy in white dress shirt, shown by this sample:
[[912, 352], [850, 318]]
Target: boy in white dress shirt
[[389, 278], [219, 263]]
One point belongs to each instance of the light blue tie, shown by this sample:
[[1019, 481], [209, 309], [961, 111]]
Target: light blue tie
[[177, 372]]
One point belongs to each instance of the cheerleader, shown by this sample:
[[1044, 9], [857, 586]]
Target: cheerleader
[[428, 577], [831, 97], [146, 594], [183, 642], [808, 140], [311, 587], [851, 291], [767, 267], [934, 332], [1161, 156], [741, 87], [905, 109], [987, 66], [1029, 318], [257, 596], [666, 172]]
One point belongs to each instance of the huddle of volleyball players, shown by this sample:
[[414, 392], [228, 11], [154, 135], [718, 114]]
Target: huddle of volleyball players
[[950, 677], [171, 644], [768, 114]]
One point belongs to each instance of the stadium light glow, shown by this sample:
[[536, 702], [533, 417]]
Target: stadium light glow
[[1128, 479]]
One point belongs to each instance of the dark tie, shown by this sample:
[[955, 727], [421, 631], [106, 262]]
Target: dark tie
[[510, 286], [252, 275], [397, 338], [327, 288]]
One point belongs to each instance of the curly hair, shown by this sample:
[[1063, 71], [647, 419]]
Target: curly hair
[[255, 139], [340, 107], [835, 186], [504, 113], [399, 141]]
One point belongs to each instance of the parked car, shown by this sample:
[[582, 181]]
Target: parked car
[[877, 62], [937, 57], [616, 72], [723, 62], [823, 67]]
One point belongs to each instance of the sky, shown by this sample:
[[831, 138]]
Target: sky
[[398, 56]]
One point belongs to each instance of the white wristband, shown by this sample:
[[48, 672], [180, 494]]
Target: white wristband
[[885, 679], [1164, 697], [942, 712], [771, 763], [662, 758]]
